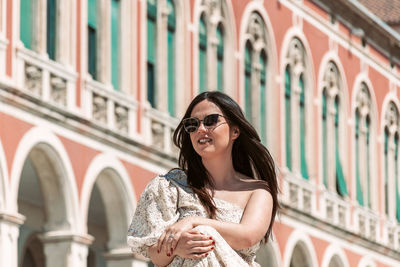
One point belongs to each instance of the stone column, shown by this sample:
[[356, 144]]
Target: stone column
[[39, 36], [123, 257], [162, 57], [65, 249], [9, 232]]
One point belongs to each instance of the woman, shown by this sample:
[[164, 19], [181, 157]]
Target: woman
[[220, 204]]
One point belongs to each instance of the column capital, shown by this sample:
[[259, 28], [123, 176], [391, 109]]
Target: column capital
[[13, 218], [66, 236]]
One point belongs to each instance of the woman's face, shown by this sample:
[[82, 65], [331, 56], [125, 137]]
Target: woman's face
[[213, 141]]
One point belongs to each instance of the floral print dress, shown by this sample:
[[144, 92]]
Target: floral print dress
[[168, 199]]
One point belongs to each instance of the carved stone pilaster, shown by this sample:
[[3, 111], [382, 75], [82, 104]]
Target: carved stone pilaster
[[58, 90], [99, 108], [121, 118], [157, 130]]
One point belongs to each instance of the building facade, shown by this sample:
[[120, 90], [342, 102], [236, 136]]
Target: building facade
[[91, 91]]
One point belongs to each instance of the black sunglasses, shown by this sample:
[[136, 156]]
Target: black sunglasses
[[192, 124]]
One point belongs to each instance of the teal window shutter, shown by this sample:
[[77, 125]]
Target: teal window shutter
[[92, 38], [359, 192], [368, 174], [26, 23], [386, 158], [288, 118], [115, 43], [151, 50], [324, 140], [303, 158], [396, 175], [263, 88], [220, 58], [203, 54], [51, 28], [247, 79], [171, 57], [340, 180]]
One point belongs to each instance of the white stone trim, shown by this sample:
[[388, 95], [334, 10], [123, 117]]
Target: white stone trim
[[34, 137], [366, 261], [4, 180], [299, 237], [100, 163]]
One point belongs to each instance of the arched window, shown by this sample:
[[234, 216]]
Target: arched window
[[171, 56], [255, 73], [115, 43], [247, 79], [263, 95], [288, 118], [220, 58], [26, 23], [362, 146], [391, 150], [332, 123], [92, 38], [203, 54], [296, 108], [151, 50], [51, 28]]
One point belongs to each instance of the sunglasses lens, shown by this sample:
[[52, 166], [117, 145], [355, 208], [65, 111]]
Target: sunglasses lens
[[191, 124], [211, 120]]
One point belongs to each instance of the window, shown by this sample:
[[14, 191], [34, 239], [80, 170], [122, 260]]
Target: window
[[288, 117], [220, 58], [26, 23], [303, 163], [92, 38], [115, 43], [247, 79], [203, 54], [51, 28], [263, 95], [151, 50], [171, 57]]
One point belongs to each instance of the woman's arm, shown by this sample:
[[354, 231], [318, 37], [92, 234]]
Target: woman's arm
[[191, 245], [252, 227]]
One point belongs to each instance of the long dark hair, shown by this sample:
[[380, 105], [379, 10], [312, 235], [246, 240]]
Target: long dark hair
[[249, 156]]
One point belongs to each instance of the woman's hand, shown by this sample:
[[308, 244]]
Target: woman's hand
[[193, 245], [169, 239]]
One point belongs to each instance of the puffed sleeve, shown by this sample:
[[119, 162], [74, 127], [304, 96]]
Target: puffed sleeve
[[156, 209]]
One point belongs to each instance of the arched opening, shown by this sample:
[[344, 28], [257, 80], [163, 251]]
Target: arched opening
[[300, 257], [108, 219], [43, 201], [266, 256], [336, 262]]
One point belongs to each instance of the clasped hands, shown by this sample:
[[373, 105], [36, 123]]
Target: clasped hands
[[181, 239]]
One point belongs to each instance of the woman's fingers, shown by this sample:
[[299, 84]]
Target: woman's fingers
[[160, 241]]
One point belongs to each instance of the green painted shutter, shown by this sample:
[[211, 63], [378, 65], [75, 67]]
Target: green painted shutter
[[171, 57], [368, 174], [247, 79], [304, 170], [92, 38], [288, 118], [386, 171], [324, 140], [51, 29], [203, 54], [359, 192], [115, 44], [151, 53], [396, 176], [220, 58], [340, 180], [263, 111], [26, 23]]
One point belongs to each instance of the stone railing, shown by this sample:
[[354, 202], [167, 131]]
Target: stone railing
[[298, 193], [366, 223], [45, 79], [159, 128], [334, 209], [110, 109], [391, 235]]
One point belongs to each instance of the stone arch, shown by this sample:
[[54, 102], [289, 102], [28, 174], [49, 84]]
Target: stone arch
[[56, 178], [113, 182], [299, 245], [269, 254], [334, 256], [366, 262]]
